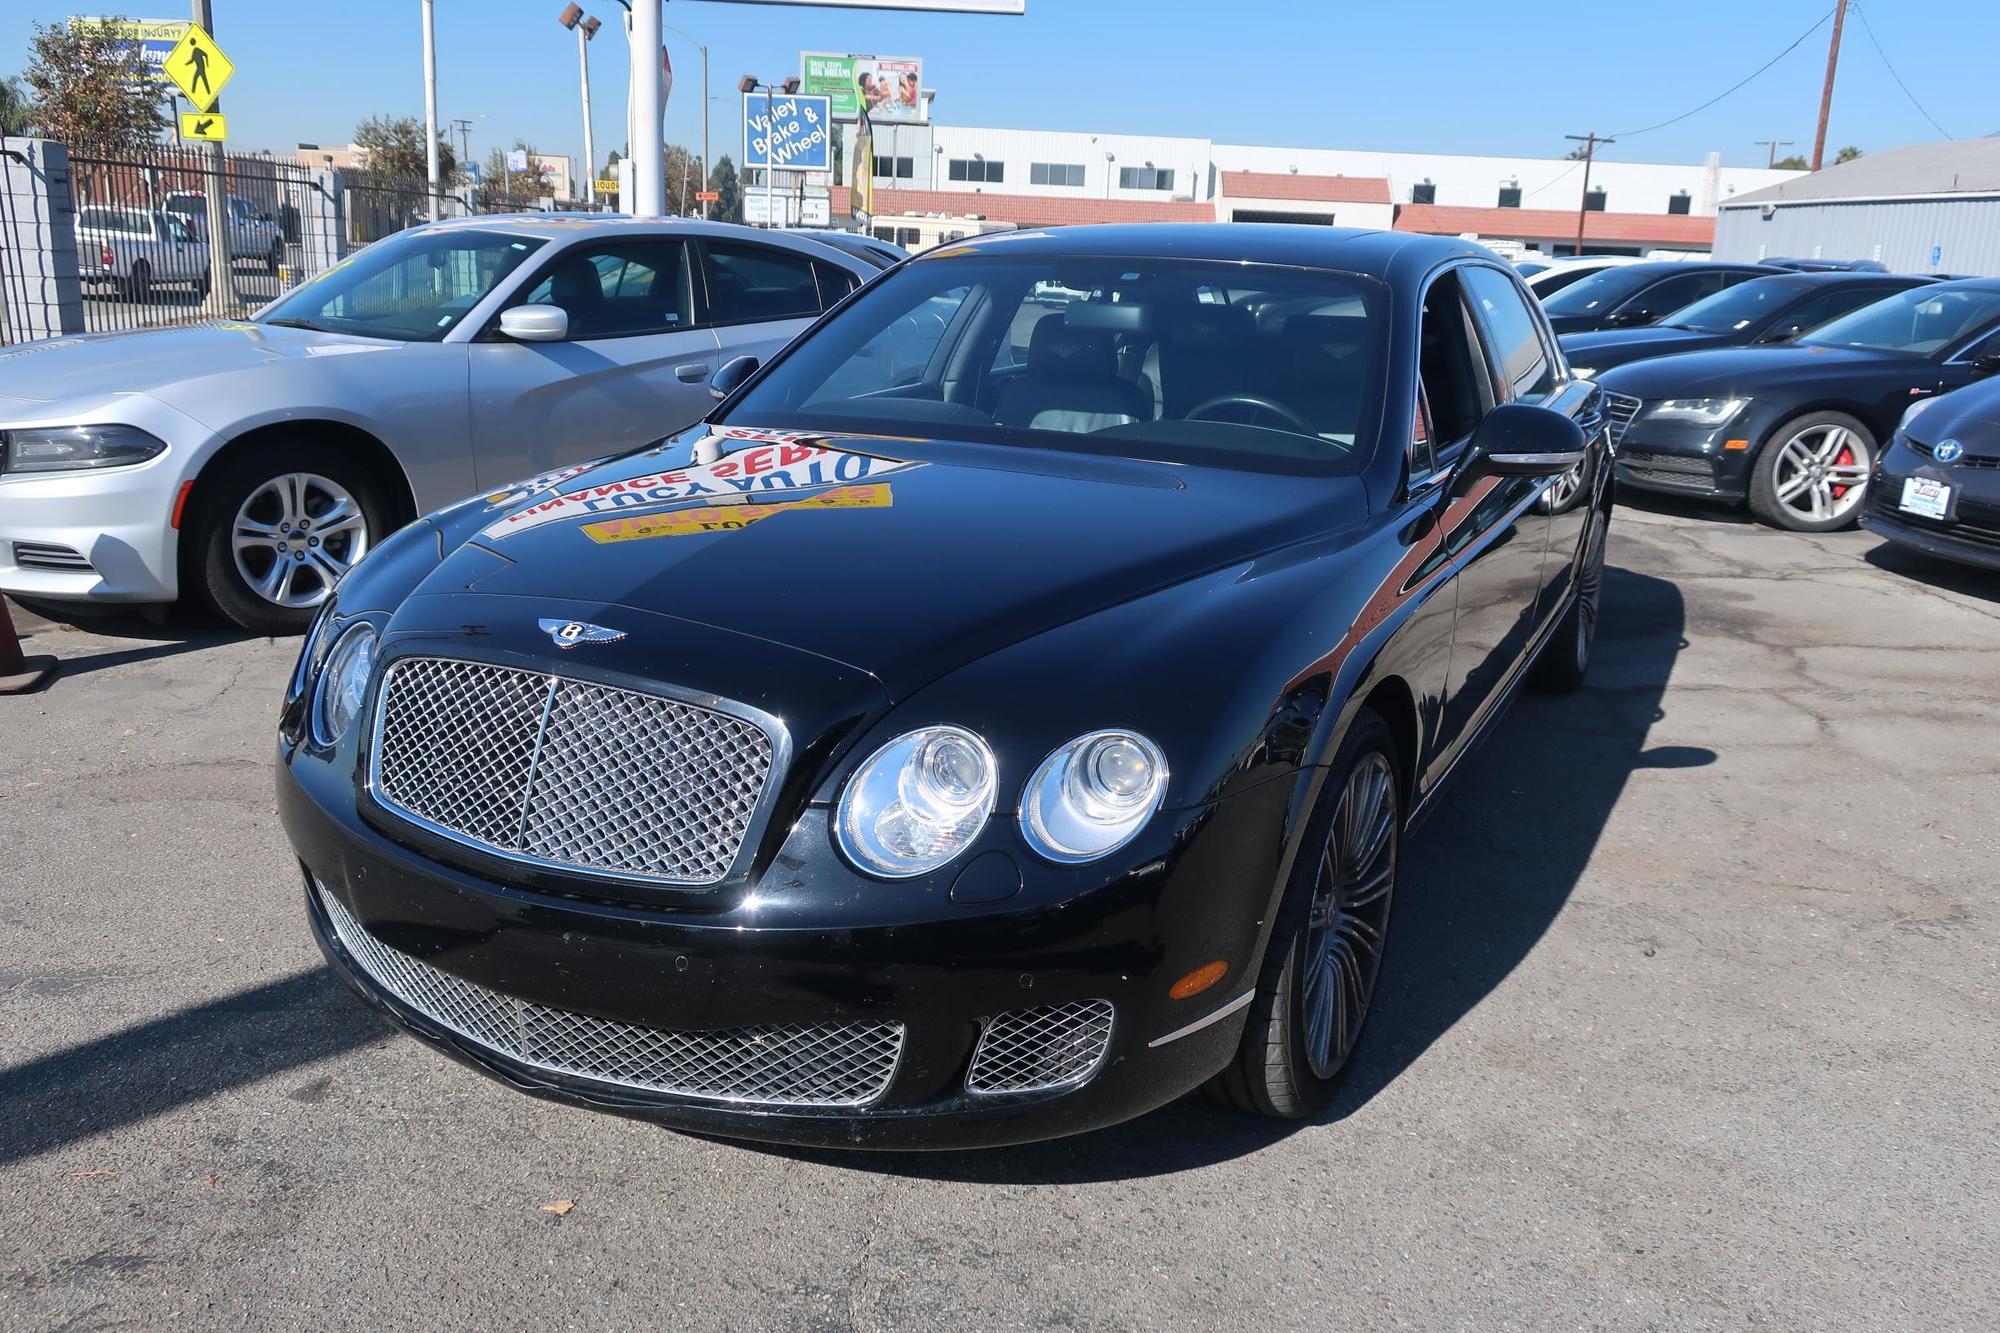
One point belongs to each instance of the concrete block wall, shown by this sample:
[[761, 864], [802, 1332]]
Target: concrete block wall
[[41, 295]]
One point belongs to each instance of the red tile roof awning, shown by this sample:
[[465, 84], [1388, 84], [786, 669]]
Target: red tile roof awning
[[1026, 210], [1668, 229], [1308, 189]]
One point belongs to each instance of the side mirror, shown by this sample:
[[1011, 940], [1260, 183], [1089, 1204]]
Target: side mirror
[[1987, 364], [730, 377], [1625, 319], [1784, 333], [535, 323], [1524, 440]]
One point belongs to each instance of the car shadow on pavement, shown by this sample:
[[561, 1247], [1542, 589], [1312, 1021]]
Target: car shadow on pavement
[[1966, 580], [1483, 879], [195, 1053], [51, 629], [1686, 506]]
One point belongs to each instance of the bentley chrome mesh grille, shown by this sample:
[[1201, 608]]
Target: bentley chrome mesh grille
[[834, 1064], [1033, 1050], [567, 773]]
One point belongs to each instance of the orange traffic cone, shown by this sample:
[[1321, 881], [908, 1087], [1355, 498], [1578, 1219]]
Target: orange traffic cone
[[18, 673]]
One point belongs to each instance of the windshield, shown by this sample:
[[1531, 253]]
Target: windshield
[[413, 288], [1597, 292], [1736, 308], [1918, 322], [1231, 365]]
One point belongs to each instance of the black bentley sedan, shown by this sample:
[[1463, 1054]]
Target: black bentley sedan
[[972, 747], [1776, 309], [1937, 488], [1795, 429], [1633, 295]]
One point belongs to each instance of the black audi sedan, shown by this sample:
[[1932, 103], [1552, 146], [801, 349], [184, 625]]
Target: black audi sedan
[[968, 748], [1776, 309], [1632, 295], [1937, 487], [1795, 429]]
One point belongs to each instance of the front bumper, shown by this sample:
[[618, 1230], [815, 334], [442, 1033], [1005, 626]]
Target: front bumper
[[114, 526], [944, 973], [1970, 531]]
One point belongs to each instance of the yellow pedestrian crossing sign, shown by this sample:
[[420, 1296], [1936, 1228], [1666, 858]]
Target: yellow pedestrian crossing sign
[[206, 125], [198, 67]]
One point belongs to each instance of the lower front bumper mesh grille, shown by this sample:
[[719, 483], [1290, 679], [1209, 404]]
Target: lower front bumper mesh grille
[[826, 1065], [1034, 1050]]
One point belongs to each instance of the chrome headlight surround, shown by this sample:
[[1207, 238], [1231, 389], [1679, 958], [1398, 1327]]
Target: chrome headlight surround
[[31, 449], [1696, 411], [313, 648], [341, 691], [1092, 796], [917, 802]]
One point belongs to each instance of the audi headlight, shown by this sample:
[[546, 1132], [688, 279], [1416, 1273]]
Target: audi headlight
[[66, 448], [1093, 795], [919, 801], [343, 684], [1696, 411]]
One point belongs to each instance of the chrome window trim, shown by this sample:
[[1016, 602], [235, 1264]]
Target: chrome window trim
[[760, 814]]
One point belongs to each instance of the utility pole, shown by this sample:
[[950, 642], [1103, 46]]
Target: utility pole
[[649, 150], [1826, 92], [1590, 144], [221, 262], [1774, 145], [431, 109], [464, 128]]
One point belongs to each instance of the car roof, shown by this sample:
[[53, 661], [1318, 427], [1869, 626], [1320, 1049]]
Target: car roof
[[1347, 249], [578, 226]]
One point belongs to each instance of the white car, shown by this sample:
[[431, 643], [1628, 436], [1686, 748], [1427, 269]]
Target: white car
[[137, 250], [250, 464], [252, 232]]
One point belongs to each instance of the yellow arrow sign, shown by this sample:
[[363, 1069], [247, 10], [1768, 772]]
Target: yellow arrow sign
[[208, 125], [198, 67]]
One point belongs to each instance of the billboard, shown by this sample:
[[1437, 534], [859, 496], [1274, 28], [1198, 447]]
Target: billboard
[[891, 85], [787, 132], [154, 38]]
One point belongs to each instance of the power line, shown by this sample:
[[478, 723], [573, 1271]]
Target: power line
[[1626, 134], [1869, 28]]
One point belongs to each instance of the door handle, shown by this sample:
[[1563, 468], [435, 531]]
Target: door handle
[[691, 374]]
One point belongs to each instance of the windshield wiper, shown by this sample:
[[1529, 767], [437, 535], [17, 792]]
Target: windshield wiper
[[298, 324]]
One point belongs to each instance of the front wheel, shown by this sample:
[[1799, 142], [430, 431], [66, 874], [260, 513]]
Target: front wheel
[[273, 260], [1565, 658], [274, 538], [1813, 473], [1318, 978], [139, 285]]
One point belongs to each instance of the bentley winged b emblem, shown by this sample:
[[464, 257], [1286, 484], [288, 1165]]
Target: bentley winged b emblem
[[569, 633]]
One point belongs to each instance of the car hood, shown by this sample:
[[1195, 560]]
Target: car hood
[[1742, 371], [903, 558], [96, 365], [1970, 415], [1654, 339]]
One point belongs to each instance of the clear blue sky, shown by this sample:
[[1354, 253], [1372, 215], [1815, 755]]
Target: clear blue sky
[[1443, 75]]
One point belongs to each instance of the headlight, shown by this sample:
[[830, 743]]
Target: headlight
[[343, 686], [1696, 411], [918, 802], [1584, 372], [1093, 795], [64, 448]]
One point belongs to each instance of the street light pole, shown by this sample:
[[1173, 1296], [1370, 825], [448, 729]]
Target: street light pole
[[586, 28], [705, 168], [431, 108]]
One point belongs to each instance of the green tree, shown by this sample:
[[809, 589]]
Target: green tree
[[17, 109], [1793, 163], [497, 180], [92, 92], [1847, 154], [395, 147], [722, 180], [682, 181]]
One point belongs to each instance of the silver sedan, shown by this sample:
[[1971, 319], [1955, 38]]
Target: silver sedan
[[250, 464]]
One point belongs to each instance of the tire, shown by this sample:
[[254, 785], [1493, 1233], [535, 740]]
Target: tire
[[1812, 473], [255, 514], [1565, 658], [275, 258], [1326, 945], [139, 283], [202, 287]]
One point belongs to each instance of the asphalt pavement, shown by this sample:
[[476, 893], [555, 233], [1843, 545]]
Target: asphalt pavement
[[1689, 1021]]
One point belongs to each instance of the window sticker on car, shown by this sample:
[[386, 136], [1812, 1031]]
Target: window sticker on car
[[733, 516], [749, 472]]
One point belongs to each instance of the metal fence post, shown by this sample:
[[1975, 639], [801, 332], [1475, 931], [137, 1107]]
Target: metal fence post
[[41, 292]]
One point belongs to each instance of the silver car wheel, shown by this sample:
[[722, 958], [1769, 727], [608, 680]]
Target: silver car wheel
[[1350, 915], [1822, 472], [295, 536], [1562, 490]]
